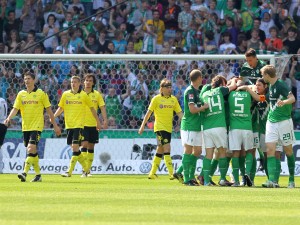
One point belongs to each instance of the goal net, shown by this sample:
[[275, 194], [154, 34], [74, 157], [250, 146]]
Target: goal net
[[127, 83]]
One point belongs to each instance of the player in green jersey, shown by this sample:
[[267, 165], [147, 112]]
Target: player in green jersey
[[240, 133], [163, 106], [279, 126], [191, 135], [250, 71], [214, 127]]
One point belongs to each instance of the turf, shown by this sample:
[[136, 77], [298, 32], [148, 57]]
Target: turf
[[133, 199]]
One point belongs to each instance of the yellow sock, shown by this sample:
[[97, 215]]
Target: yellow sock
[[36, 165], [168, 162], [155, 164], [73, 162], [84, 152], [28, 163], [82, 161], [90, 159]]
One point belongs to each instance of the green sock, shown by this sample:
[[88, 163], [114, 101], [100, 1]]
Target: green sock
[[266, 167], [291, 165], [193, 164], [206, 170], [242, 164], [180, 168], [277, 171], [223, 168], [214, 165], [186, 162], [253, 169], [228, 159], [249, 162], [235, 168], [271, 168]]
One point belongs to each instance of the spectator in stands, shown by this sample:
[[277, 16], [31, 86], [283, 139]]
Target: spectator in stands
[[274, 43], [178, 89], [119, 13], [170, 17], [248, 14], [292, 43], [130, 48], [155, 5], [49, 29], [12, 23], [296, 14], [110, 48], [90, 46], [67, 23], [266, 23], [185, 17], [255, 41], [227, 46], [231, 11], [261, 30], [64, 44], [158, 29], [119, 42], [279, 12], [149, 41], [209, 43], [139, 108], [113, 106], [13, 42], [191, 41], [77, 4], [88, 7], [283, 33], [27, 47], [31, 14], [57, 9], [213, 9], [103, 43], [230, 27], [295, 78], [111, 77], [101, 18], [75, 42], [141, 15], [241, 45], [197, 4]]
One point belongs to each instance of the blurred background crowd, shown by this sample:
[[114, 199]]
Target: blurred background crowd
[[142, 27]]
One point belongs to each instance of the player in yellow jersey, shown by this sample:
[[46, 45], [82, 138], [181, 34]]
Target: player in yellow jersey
[[31, 103], [73, 103], [90, 133], [163, 106]]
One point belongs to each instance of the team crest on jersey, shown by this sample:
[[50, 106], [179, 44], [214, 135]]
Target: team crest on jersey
[[34, 96], [191, 96]]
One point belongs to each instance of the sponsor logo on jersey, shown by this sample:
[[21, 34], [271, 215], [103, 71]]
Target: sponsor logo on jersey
[[191, 96], [74, 102], [30, 102]]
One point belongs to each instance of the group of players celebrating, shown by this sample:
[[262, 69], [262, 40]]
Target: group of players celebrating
[[230, 120]]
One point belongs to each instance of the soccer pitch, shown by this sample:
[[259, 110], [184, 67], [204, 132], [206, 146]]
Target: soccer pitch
[[133, 199]]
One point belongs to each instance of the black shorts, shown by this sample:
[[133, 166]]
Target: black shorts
[[91, 135], [3, 130], [163, 137], [74, 136], [31, 137]]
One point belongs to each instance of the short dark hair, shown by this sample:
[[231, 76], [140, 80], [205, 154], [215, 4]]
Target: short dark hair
[[28, 73], [250, 52], [90, 75]]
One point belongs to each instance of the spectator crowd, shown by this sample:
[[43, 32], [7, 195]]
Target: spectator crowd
[[143, 27]]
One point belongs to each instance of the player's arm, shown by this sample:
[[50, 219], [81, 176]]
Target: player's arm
[[180, 115], [12, 113], [194, 109], [145, 120], [96, 118], [52, 120], [58, 112], [255, 96], [104, 116], [290, 100]]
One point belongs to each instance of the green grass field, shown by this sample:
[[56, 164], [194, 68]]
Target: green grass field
[[120, 199]]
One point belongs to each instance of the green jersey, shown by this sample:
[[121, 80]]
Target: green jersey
[[214, 116], [279, 91], [191, 122], [262, 109], [239, 110], [252, 74]]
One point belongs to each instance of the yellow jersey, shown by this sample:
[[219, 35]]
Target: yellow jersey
[[74, 106], [163, 108], [97, 101], [31, 106]]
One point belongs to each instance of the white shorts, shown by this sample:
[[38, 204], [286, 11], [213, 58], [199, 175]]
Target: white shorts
[[215, 138], [191, 138], [281, 132], [239, 138], [262, 142], [256, 139]]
